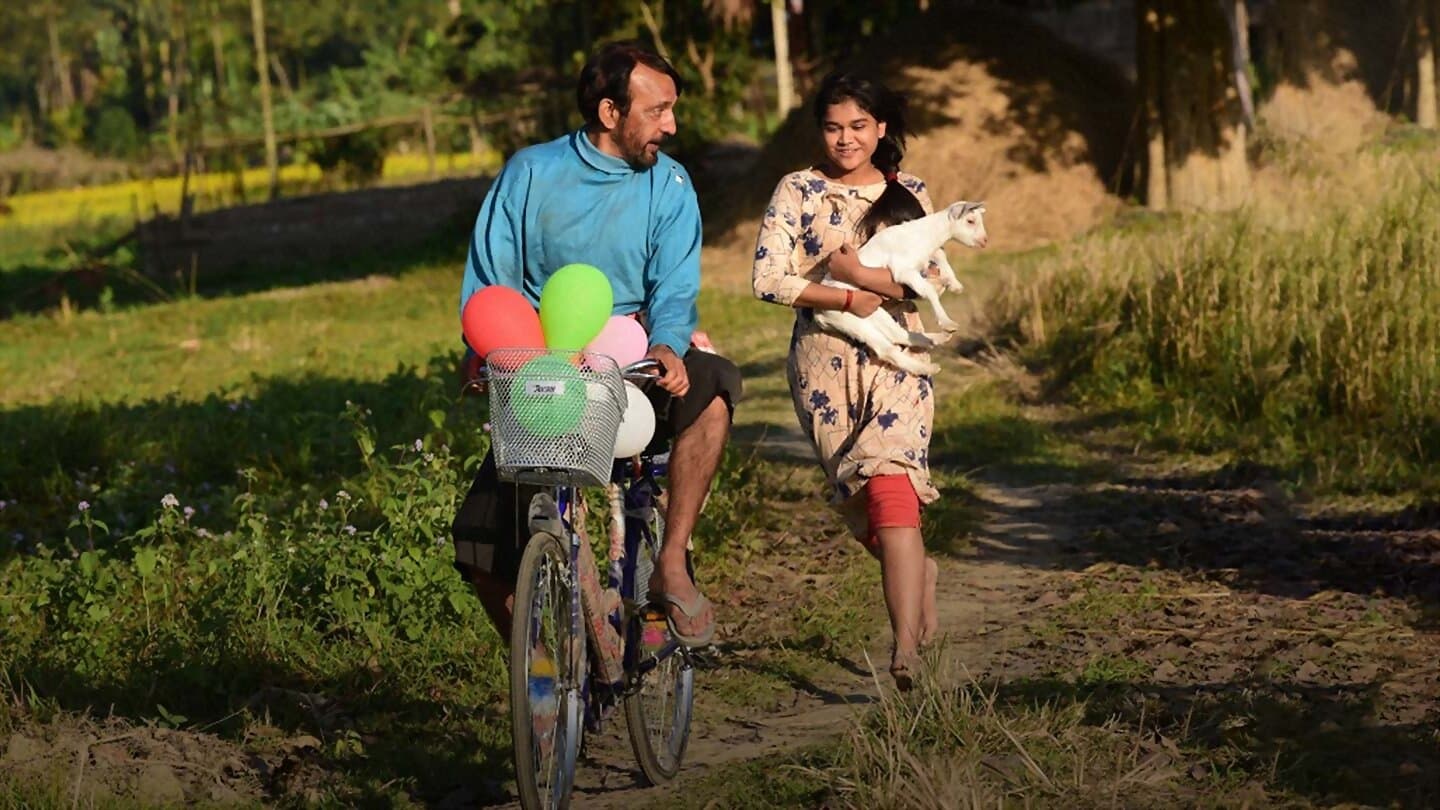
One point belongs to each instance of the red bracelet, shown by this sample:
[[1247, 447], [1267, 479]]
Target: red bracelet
[[849, 299]]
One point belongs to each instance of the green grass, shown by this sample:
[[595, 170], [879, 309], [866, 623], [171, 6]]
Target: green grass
[[177, 543], [1309, 347]]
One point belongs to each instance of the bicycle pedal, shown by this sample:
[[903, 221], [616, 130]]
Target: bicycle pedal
[[654, 631]]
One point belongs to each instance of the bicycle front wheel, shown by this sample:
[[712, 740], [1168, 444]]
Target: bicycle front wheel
[[547, 675], [661, 696]]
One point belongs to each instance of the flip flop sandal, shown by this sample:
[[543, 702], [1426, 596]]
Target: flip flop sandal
[[692, 610]]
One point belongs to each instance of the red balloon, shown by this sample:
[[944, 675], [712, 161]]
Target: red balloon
[[499, 317]]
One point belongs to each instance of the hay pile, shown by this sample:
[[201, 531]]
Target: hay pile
[[1002, 111]]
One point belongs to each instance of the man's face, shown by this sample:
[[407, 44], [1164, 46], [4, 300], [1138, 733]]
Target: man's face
[[651, 118]]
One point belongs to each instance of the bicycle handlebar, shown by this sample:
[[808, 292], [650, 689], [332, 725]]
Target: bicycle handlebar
[[646, 370]]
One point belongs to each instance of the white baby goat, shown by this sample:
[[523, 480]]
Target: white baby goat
[[907, 249]]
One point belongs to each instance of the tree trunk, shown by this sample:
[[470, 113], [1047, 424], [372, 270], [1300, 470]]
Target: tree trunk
[[147, 72], [127, 25], [64, 91], [1199, 107], [267, 115], [1147, 55], [427, 126], [172, 73], [784, 71], [233, 160], [1425, 47], [1238, 19]]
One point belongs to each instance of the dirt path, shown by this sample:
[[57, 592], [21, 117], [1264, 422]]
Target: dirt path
[[983, 597], [1265, 649], [1274, 650]]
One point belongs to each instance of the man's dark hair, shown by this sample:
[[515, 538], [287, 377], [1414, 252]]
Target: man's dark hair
[[607, 75]]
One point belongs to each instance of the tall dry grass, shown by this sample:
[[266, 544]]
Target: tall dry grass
[[1302, 330], [963, 746]]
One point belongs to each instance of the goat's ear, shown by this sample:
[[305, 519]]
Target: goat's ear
[[960, 209]]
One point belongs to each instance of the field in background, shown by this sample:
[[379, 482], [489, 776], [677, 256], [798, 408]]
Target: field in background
[[228, 514], [1300, 335], [142, 199]]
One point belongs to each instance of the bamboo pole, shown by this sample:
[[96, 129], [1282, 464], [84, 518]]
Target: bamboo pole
[[272, 153]]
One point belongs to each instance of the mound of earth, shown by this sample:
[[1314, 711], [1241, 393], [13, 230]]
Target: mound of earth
[[1002, 110], [96, 762]]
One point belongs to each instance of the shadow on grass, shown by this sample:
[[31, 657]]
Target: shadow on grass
[[1236, 522], [422, 716], [90, 280], [1320, 743], [377, 737], [122, 458], [754, 659]]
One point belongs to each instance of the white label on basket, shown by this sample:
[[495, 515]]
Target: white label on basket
[[545, 388]]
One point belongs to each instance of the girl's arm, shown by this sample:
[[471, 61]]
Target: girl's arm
[[845, 266], [774, 277], [819, 296]]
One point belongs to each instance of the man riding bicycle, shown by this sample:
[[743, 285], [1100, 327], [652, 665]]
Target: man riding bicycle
[[605, 195]]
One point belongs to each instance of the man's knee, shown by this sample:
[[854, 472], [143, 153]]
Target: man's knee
[[715, 415]]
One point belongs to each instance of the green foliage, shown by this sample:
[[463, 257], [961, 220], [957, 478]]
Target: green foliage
[[506, 67], [296, 590], [356, 159], [114, 133], [65, 127]]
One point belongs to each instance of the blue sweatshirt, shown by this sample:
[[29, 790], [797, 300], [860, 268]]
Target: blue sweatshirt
[[565, 201]]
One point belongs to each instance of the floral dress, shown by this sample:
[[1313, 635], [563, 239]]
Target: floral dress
[[864, 418]]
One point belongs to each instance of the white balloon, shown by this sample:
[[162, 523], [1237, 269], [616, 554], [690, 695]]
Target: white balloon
[[637, 424]]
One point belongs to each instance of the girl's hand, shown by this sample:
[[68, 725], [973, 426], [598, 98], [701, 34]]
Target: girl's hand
[[864, 303], [844, 265]]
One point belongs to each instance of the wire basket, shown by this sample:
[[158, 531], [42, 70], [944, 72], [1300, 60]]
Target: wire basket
[[554, 416]]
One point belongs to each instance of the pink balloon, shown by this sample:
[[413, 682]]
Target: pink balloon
[[622, 338]]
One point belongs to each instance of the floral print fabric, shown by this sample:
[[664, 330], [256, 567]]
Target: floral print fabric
[[863, 417]]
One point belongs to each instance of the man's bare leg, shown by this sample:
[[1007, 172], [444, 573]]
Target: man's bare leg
[[693, 461], [497, 597]]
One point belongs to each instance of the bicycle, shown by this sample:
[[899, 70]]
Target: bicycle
[[574, 655]]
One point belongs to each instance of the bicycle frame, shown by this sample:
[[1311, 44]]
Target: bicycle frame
[[639, 490]]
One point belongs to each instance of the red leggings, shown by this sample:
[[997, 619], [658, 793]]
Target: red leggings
[[891, 503]]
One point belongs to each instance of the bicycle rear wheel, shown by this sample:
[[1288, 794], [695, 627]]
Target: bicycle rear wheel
[[661, 696], [547, 675]]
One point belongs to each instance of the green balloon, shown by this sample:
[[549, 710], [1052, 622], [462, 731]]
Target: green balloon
[[574, 306], [547, 396]]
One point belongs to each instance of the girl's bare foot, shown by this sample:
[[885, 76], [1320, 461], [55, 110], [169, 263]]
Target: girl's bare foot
[[929, 616], [902, 669]]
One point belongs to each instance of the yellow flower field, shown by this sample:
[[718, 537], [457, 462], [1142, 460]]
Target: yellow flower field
[[143, 198]]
